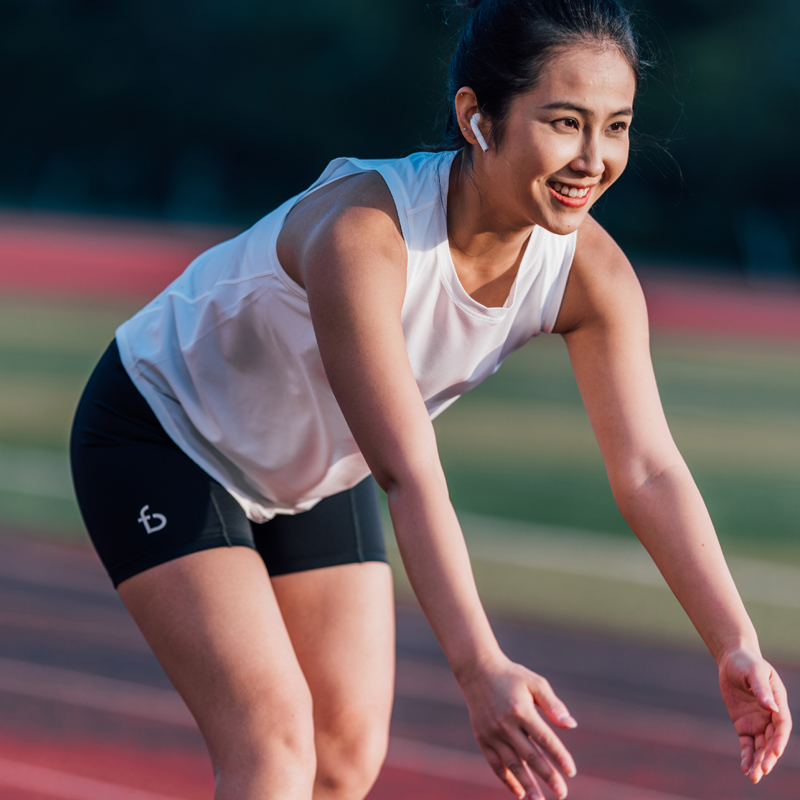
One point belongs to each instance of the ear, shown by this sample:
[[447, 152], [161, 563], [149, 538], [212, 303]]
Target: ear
[[466, 107]]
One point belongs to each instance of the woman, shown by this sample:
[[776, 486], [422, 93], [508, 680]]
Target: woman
[[235, 422]]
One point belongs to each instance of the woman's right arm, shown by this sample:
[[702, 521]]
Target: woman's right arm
[[348, 252]]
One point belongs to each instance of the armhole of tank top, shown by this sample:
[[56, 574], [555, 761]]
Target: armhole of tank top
[[553, 305], [398, 193], [393, 184], [329, 178]]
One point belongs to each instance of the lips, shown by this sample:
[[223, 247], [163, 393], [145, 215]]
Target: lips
[[572, 196]]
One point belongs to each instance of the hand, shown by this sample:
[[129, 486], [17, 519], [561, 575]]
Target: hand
[[757, 704], [503, 699]]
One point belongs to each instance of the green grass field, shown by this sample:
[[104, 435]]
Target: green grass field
[[519, 446]]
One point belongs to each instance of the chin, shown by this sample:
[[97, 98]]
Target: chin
[[563, 227]]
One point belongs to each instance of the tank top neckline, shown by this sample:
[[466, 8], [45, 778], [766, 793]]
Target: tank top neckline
[[444, 258], [447, 268]]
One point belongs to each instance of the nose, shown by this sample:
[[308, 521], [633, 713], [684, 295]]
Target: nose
[[589, 160]]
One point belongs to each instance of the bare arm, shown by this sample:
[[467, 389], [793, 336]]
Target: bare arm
[[604, 323], [350, 256]]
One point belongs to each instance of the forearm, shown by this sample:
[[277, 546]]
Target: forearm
[[437, 563], [669, 517]]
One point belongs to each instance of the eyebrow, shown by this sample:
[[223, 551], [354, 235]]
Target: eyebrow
[[624, 112]]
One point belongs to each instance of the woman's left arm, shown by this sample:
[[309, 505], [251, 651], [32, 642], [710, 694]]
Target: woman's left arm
[[603, 320]]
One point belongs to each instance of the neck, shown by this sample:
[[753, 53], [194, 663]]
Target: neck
[[476, 225], [486, 249]]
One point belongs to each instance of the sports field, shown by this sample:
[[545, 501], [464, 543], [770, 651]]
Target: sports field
[[519, 446], [86, 712]]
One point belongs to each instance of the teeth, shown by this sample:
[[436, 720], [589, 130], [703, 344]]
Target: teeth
[[569, 192]]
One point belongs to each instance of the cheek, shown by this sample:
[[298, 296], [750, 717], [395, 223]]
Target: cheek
[[537, 164], [618, 160]]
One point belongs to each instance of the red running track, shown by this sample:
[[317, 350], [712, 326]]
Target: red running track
[[100, 722], [87, 257], [86, 712]]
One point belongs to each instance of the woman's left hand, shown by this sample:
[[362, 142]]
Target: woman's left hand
[[756, 700]]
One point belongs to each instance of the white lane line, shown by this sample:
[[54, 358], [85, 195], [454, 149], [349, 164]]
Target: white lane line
[[578, 552], [583, 553], [419, 681], [165, 706], [414, 681], [54, 783], [93, 691], [456, 765]]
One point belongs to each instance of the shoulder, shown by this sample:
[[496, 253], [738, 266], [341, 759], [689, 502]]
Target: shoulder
[[353, 217], [602, 286]]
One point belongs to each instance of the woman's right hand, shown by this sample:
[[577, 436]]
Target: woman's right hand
[[505, 702]]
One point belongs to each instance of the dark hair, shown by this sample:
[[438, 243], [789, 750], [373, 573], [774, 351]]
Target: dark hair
[[506, 43]]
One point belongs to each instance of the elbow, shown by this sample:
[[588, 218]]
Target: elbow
[[398, 479], [632, 486]]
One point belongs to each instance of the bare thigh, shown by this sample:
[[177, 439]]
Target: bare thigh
[[341, 623], [213, 621]]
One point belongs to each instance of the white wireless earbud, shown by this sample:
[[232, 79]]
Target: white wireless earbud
[[473, 123]]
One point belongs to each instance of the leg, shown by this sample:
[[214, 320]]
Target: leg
[[213, 622], [341, 622]]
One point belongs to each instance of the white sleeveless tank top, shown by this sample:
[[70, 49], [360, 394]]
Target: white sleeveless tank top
[[227, 358]]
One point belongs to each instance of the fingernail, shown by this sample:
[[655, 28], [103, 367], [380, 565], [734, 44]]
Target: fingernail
[[571, 773], [568, 721]]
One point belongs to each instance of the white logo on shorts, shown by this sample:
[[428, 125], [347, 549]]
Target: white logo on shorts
[[145, 518]]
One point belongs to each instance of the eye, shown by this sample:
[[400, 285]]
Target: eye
[[618, 127], [567, 122]]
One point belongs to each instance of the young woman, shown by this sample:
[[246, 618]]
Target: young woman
[[223, 447]]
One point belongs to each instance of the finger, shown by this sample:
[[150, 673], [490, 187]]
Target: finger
[[760, 685], [540, 764], [770, 758], [756, 771], [769, 762], [748, 751], [783, 730], [505, 775], [552, 746], [783, 720], [553, 708], [520, 770]]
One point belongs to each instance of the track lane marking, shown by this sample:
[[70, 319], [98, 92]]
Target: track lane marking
[[165, 706], [414, 681], [93, 691], [54, 783], [456, 765]]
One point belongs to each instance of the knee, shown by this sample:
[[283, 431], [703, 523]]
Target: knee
[[268, 754], [349, 761]]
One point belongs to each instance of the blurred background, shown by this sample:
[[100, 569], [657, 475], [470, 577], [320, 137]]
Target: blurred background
[[137, 133]]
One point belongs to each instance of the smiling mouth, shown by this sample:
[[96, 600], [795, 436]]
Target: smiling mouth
[[570, 196]]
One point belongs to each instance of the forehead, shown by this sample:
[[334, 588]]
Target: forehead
[[594, 77]]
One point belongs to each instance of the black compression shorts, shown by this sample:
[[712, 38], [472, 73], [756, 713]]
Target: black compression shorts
[[145, 502]]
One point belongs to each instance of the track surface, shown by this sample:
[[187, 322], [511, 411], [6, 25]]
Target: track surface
[[103, 258], [87, 713]]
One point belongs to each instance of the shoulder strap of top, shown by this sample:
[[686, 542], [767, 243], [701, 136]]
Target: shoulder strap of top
[[414, 182]]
